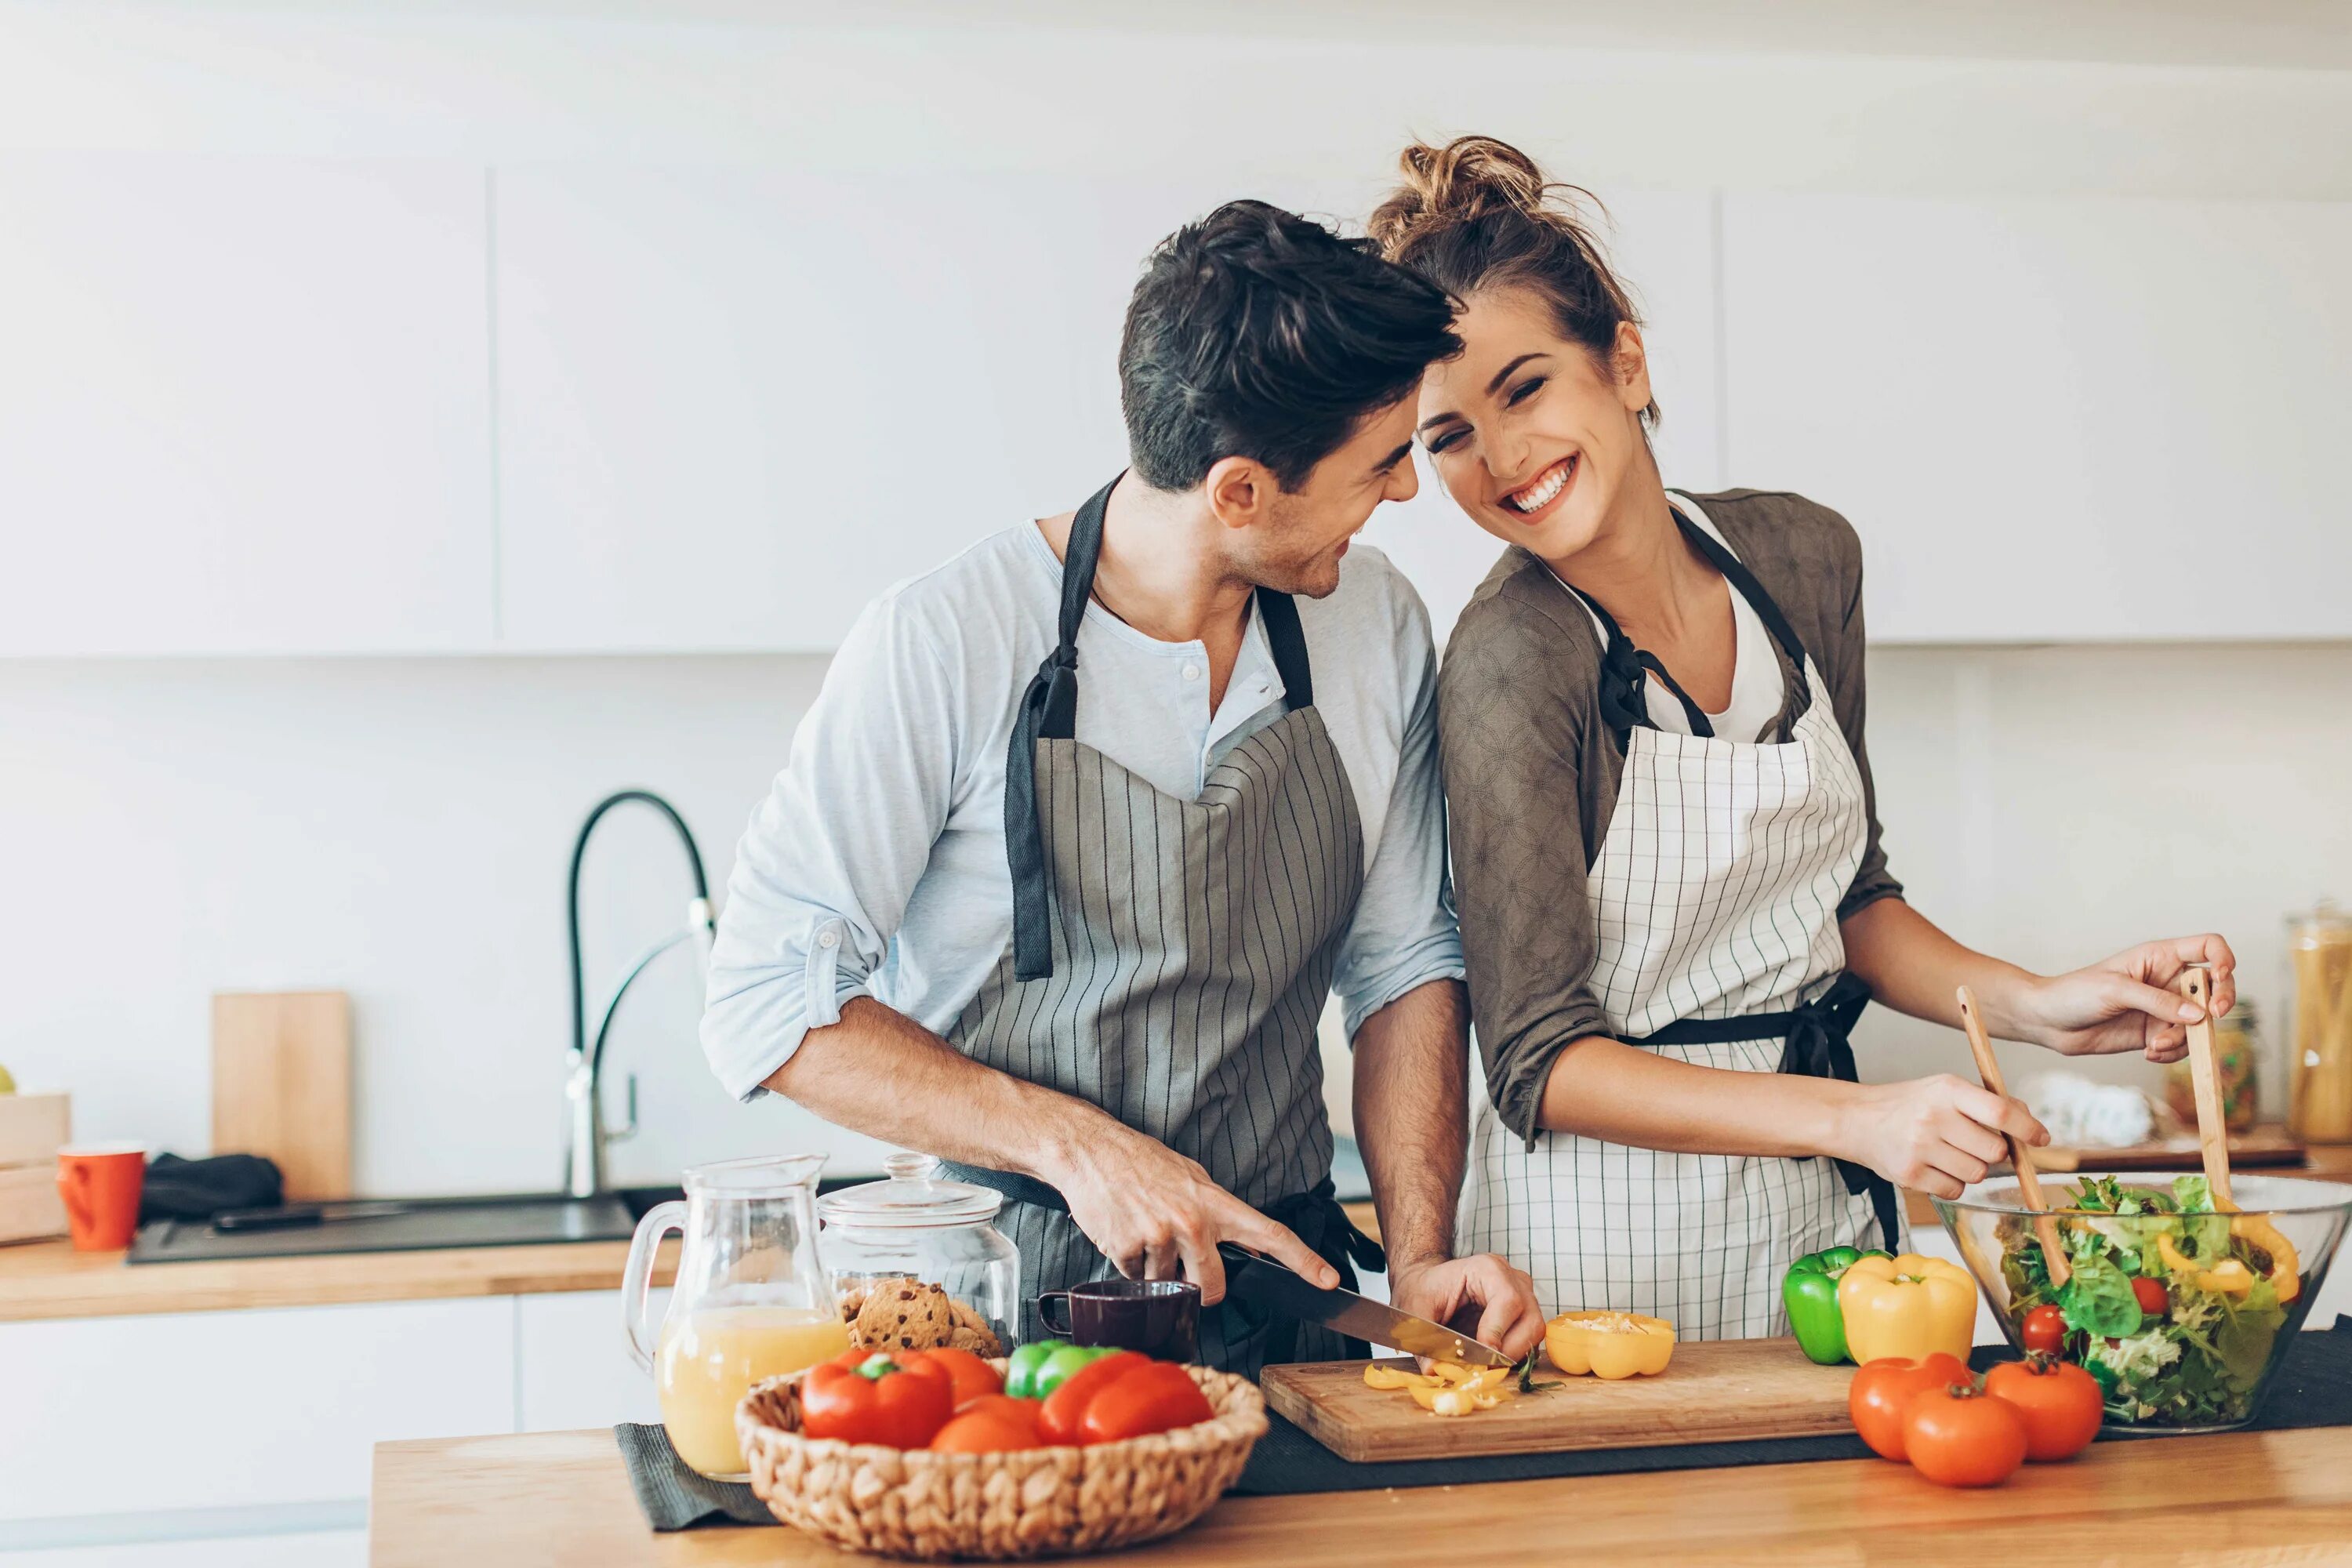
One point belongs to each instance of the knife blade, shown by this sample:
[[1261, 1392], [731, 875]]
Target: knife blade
[[1262, 1282]]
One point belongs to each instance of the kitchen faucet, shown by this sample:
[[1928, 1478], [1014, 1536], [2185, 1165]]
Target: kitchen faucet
[[583, 1161]]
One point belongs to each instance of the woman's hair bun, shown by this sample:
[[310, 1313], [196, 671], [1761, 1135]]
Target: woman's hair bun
[[1469, 178]]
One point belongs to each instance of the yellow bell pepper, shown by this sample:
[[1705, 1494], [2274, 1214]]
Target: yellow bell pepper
[[1609, 1344], [1908, 1306], [2228, 1277], [2285, 1263]]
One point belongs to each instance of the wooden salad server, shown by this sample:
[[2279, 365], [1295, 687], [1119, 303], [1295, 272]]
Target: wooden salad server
[[2205, 1077], [2029, 1180]]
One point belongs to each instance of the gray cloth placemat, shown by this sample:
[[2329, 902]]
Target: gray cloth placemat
[[2313, 1389], [675, 1498]]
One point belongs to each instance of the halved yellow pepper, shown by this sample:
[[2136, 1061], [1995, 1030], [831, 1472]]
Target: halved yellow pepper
[[1609, 1344], [1908, 1306], [2226, 1278]]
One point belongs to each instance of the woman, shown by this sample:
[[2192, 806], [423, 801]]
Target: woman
[[1666, 853]]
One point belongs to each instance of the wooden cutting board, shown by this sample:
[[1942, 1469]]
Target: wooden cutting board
[[2266, 1145], [282, 1085], [1714, 1391]]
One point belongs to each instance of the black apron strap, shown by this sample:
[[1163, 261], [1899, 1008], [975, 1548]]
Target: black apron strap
[[1819, 1046], [1049, 711], [1625, 668]]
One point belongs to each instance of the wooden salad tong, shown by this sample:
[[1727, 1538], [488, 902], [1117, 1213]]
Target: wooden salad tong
[[2029, 1180]]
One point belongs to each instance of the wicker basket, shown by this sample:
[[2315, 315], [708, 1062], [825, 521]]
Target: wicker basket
[[1033, 1502]]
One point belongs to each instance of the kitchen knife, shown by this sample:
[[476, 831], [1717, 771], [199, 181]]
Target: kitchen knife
[[1270, 1287]]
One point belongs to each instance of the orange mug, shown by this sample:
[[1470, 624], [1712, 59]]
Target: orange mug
[[100, 1184]]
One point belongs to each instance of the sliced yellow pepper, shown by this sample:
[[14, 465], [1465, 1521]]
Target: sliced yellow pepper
[[1459, 1400], [1393, 1377], [2285, 1263], [1609, 1344], [1908, 1306]]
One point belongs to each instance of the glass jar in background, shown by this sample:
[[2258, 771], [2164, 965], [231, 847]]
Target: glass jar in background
[[910, 1225], [2237, 1042], [2319, 1054]]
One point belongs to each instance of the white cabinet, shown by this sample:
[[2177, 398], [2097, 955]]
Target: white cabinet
[[231, 1410], [244, 405], [2055, 419], [572, 1365], [734, 403]]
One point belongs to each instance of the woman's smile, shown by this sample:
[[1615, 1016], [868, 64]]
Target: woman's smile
[[1534, 501]]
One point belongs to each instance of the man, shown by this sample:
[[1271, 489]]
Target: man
[[1087, 822]]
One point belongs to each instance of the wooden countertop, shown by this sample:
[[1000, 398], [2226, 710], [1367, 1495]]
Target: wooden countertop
[[562, 1498], [50, 1279]]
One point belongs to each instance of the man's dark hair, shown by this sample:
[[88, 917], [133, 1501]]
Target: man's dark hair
[[1258, 333]]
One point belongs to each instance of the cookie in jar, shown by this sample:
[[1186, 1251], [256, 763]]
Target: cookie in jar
[[917, 1262]]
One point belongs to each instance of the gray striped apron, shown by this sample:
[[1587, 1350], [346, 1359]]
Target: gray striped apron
[[1170, 959]]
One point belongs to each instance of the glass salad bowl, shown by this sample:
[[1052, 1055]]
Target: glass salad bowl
[[2182, 1314]]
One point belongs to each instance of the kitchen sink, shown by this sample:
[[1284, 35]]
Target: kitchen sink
[[410, 1225]]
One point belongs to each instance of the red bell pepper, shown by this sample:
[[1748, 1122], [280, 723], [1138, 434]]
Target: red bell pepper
[[873, 1399], [1153, 1398], [1060, 1422]]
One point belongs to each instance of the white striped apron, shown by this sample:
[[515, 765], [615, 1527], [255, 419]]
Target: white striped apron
[[1715, 895]]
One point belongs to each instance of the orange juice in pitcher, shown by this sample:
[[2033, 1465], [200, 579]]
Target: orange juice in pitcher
[[710, 1358], [751, 1301]]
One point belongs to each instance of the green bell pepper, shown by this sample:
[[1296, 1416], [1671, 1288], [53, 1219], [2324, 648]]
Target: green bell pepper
[[1056, 1369], [1809, 1291], [1021, 1367]]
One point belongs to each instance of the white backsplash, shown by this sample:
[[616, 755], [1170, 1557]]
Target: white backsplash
[[399, 829]]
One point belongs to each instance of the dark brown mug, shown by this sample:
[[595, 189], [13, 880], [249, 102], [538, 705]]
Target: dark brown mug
[[1161, 1318]]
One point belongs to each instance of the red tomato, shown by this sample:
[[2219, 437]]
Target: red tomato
[[2044, 1329], [2150, 1292], [985, 1428], [1059, 1420], [1882, 1389], [1149, 1399], [2059, 1402], [1959, 1438], [968, 1376]]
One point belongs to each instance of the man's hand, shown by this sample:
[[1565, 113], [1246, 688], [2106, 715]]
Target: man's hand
[[1509, 1317], [1153, 1212]]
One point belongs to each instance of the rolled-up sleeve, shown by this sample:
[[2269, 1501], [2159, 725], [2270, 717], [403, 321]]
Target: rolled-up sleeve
[[824, 873], [1404, 934], [1513, 763]]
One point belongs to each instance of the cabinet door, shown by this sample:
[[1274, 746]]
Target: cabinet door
[[210, 1410], [2056, 418], [244, 405], [572, 1365], [735, 404]]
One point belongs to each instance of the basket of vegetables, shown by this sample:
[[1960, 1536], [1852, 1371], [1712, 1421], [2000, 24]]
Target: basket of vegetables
[[2182, 1311], [940, 1454]]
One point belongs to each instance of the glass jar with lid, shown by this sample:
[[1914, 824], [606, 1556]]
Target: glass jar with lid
[[912, 1226]]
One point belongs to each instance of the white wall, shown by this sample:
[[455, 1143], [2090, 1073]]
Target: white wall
[[397, 828], [401, 829]]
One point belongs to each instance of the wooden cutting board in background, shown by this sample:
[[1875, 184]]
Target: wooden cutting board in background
[[1714, 1391], [282, 1085]]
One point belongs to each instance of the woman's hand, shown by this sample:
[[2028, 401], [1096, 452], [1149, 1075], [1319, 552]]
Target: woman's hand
[[2127, 1003], [1936, 1134]]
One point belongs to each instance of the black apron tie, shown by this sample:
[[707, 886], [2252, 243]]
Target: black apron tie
[[1049, 711], [1625, 670], [1819, 1046]]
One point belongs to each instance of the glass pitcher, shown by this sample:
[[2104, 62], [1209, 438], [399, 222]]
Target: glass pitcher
[[751, 1301]]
